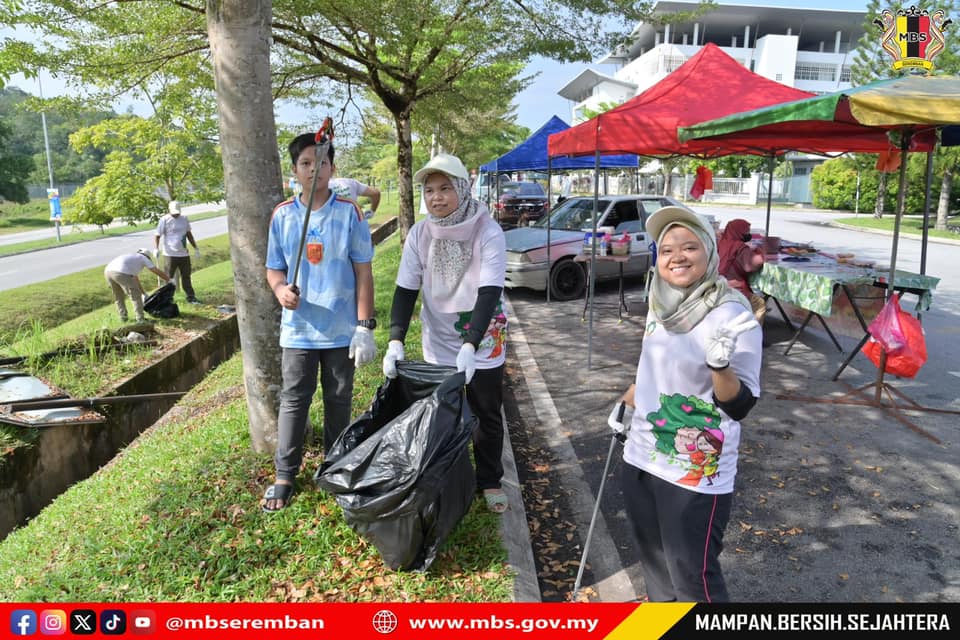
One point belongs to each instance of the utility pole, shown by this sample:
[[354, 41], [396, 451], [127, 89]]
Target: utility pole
[[52, 195]]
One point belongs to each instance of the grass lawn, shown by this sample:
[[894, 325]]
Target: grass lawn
[[184, 519], [54, 302], [15, 217], [908, 224]]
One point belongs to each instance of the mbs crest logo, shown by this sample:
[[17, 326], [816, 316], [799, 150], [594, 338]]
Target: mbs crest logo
[[913, 37]]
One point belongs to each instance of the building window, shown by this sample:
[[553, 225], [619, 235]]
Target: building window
[[670, 63], [845, 73], [801, 171], [814, 71], [779, 77]]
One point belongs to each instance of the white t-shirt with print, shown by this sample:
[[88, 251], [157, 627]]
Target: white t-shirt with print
[[677, 432], [347, 188], [173, 235], [442, 334]]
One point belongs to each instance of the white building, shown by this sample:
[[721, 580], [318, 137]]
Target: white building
[[810, 49]]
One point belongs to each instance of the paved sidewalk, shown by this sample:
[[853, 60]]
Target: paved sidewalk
[[834, 502]]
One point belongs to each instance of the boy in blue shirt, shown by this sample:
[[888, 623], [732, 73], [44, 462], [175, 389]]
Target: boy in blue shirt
[[328, 316]]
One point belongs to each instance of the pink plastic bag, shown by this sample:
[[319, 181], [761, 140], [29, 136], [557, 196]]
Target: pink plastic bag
[[886, 328]]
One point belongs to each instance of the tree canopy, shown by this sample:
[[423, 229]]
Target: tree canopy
[[434, 54], [21, 113], [14, 170]]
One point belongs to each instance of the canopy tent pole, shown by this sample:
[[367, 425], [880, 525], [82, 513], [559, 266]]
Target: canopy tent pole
[[926, 215], [901, 205], [496, 180], [549, 213], [593, 254], [766, 229], [925, 234]]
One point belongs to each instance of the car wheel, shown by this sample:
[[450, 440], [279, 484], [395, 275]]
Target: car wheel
[[567, 280]]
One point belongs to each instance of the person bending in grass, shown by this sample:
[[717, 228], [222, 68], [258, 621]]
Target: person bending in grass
[[457, 257], [123, 276]]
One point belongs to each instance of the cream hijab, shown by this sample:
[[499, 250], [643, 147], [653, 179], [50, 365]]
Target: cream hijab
[[681, 309], [450, 253]]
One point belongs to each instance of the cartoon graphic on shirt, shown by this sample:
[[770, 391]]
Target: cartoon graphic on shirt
[[494, 338], [687, 431]]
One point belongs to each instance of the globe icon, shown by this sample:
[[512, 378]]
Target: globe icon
[[385, 621]]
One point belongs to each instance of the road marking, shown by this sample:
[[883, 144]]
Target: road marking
[[954, 373]]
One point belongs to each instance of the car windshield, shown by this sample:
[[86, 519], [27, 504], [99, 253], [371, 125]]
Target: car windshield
[[573, 215]]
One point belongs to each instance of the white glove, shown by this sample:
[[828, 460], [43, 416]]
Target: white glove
[[196, 253], [721, 344], [369, 213], [172, 281], [620, 419], [362, 347], [394, 353], [467, 361], [156, 254]]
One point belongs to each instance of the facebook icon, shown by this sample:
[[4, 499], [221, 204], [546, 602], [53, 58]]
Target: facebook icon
[[23, 622]]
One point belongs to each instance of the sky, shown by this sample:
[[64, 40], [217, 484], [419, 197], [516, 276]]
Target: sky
[[534, 106]]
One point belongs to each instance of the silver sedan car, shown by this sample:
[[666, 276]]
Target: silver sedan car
[[527, 246]]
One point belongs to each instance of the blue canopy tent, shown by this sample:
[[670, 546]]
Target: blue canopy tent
[[531, 155]]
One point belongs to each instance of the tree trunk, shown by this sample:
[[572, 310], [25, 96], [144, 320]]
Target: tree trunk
[[881, 196], [943, 205], [405, 171], [239, 32]]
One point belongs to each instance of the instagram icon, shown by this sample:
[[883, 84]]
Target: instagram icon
[[53, 622]]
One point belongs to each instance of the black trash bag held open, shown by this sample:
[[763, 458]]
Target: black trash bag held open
[[160, 303], [401, 472]]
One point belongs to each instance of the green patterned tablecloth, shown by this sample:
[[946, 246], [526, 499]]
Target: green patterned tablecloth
[[810, 285]]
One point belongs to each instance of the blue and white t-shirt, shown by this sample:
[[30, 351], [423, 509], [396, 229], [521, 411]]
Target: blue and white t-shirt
[[337, 237]]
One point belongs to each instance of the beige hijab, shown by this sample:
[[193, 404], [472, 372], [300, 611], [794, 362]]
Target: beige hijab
[[681, 309], [450, 250]]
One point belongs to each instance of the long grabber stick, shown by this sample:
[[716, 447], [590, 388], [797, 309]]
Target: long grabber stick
[[323, 138], [619, 435]]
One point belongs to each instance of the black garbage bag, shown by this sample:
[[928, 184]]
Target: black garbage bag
[[160, 303], [401, 472]]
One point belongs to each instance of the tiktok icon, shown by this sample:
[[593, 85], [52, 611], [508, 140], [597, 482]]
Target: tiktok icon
[[113, 622], [23, 622]]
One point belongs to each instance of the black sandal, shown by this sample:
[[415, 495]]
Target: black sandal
[[282, 492]]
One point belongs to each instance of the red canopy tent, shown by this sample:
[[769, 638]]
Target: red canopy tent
[[709, 85]]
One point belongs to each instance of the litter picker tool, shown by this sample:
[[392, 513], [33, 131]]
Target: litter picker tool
[[619, 421], [323, 138]]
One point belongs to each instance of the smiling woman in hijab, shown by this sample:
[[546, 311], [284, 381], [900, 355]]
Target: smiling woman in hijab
[[698, 376], [457, 258]]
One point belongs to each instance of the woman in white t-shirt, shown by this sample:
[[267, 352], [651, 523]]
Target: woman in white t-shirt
[[457, 258], [698, 376]]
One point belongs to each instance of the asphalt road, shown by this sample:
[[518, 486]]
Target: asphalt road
[[37, 266]]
